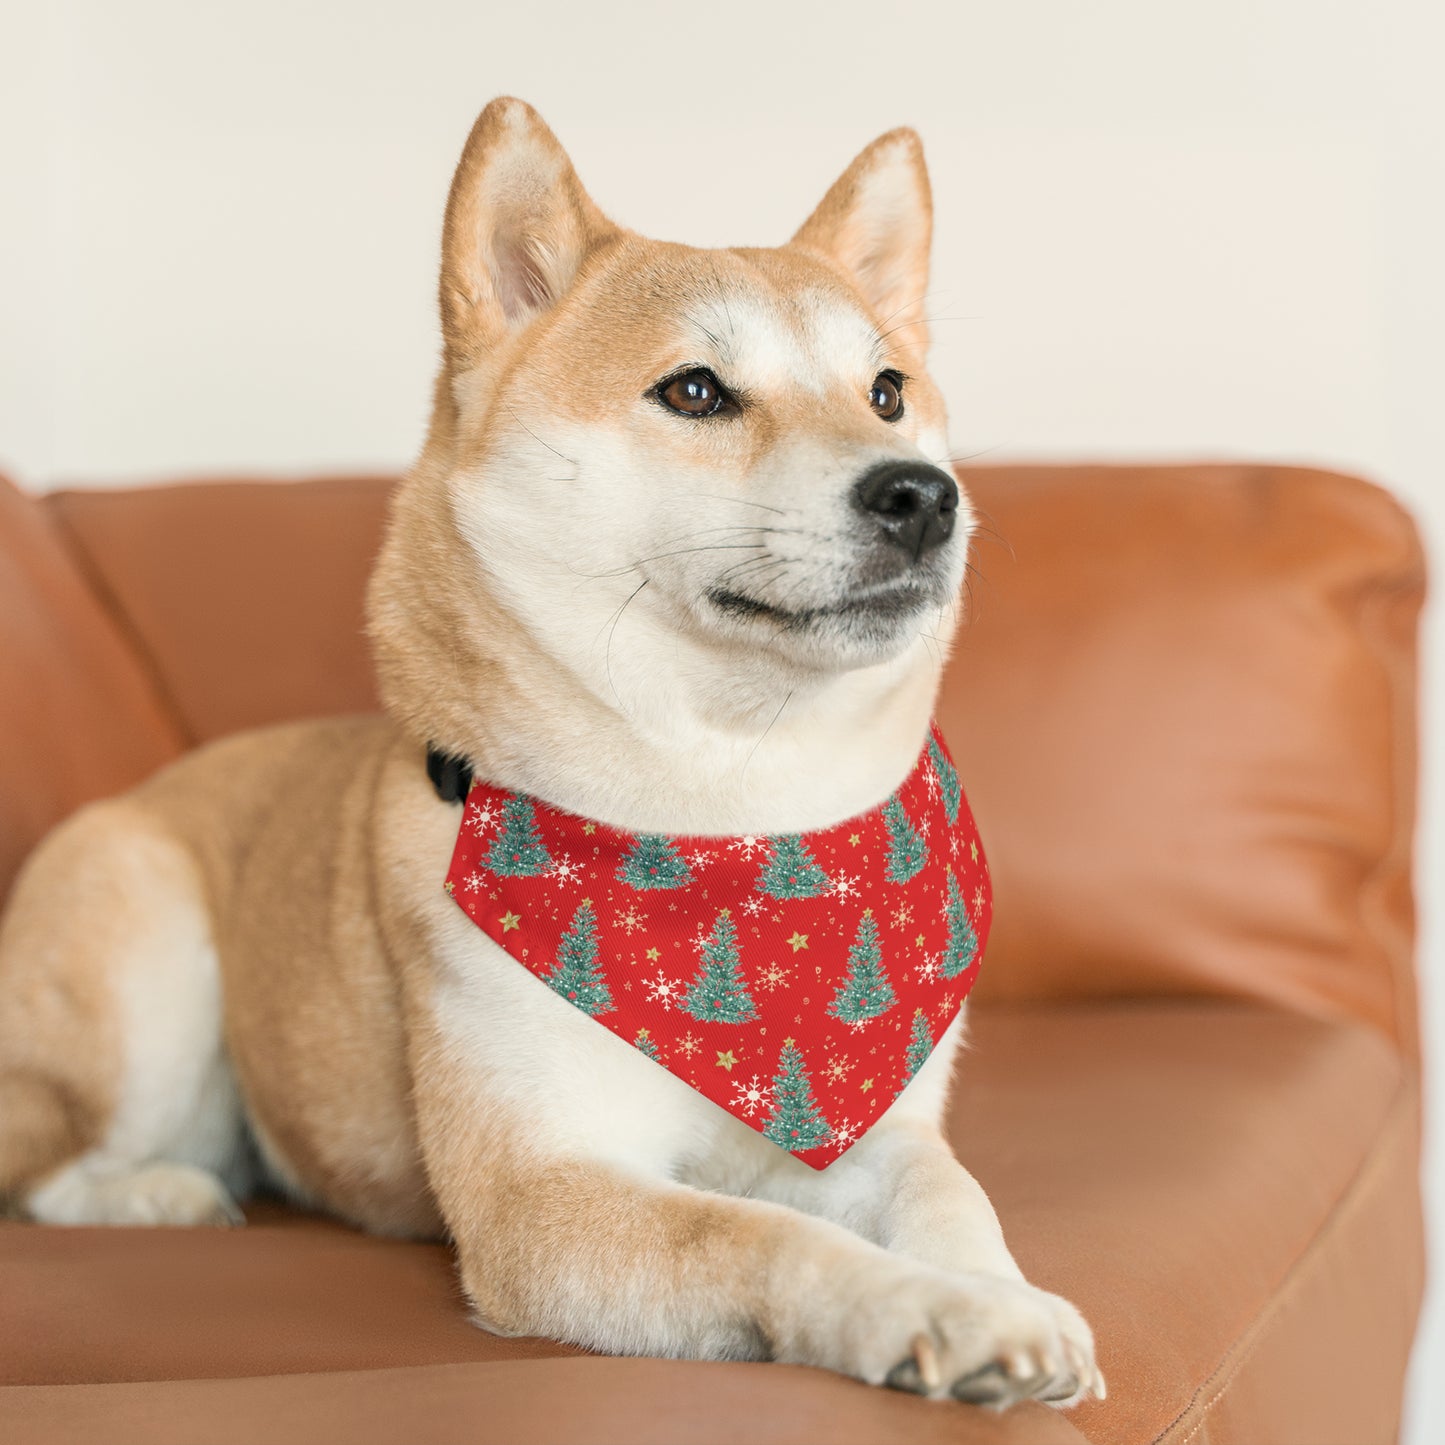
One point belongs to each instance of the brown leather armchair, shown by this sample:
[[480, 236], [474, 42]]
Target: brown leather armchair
[[1185, 709]]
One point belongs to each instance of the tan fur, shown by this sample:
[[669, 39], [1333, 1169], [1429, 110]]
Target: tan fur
[[264, 923]]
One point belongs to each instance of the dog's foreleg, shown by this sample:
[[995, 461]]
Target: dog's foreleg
[[609, 1254], [587, 1252], [901, 1188]]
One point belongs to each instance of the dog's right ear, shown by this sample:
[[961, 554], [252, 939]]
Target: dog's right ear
[[518, 227]]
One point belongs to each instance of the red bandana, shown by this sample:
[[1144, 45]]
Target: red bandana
[[797, 981]]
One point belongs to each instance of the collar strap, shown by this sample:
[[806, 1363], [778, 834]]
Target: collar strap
[[450, 774]]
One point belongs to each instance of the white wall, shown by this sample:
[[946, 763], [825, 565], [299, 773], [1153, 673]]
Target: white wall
[[1164, 228]]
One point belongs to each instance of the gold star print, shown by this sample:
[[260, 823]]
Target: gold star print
[[727, 913], [866, 1085], [511, 921], [642, 1033], [919, 940], [787, 1043], [854, 839], [867, 913], [587, 903], [798, 940], [653, 954], [726, 1060], [973, 848], [589, 828]]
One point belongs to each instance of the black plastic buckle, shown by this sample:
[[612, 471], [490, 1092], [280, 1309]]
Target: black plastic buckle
[[450, 775]]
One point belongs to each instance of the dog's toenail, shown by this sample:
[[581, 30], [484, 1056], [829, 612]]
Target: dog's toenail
[[926, 1356]]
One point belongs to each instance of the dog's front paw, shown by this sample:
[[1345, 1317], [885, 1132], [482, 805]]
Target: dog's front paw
[[979, 1338]]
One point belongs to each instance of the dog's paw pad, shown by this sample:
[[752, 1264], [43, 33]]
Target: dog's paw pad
[[988, 1386], [905, 1376]]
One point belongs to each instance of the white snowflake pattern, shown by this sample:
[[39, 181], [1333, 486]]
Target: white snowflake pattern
[[752, 1095], [630, 921], [925, 824], [747, 845], [928, 969], [663, 990], [699, 860], [954, 844], [902, 916], [473, 881], [753, 905], [564, 870], [977, 901], [483, 818], [774, 976], [844, 886], [836, 1069], [688, 1045], [845, 1133]]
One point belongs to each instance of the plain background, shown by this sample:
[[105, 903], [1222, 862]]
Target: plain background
[[1164, 230]]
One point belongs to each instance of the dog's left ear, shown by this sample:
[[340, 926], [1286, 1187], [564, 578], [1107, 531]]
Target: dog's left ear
[[877, 223]]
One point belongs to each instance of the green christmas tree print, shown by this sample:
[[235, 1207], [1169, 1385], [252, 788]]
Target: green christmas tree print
[[654, 862], [907, 851], [866, 992], [576, 975], [962, 947], [796, 1122], [947, 780], [920, 1045], [792, 871], [644, 1045], [518, 850], [719, 993]]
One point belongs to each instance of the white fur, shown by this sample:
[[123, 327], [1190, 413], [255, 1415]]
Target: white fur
[[175, 1140]]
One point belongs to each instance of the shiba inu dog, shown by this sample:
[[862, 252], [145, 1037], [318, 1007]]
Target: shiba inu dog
[[676, 555]]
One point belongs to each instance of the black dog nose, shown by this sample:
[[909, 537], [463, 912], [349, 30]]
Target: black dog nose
[[915, 504]]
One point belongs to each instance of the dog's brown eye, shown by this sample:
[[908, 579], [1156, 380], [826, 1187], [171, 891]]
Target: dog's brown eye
[[694, 393], [886, 398]]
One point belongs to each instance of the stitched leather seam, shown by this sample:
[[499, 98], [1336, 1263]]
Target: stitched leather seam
[[125, 624], [1374, 910], [1299, 1272]]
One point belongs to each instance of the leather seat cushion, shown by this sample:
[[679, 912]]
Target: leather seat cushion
[[1225, 1191]]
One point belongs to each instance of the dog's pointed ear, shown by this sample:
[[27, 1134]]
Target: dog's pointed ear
[[877, 223], [518, 227]]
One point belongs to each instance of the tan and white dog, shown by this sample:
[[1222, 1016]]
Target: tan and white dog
[[675, 555]]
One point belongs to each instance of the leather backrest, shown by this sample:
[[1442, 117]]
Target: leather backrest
[[1183, 705], [79, 716], [247, 596], [1185, 711]]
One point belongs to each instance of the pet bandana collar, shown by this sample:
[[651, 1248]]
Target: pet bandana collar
[[798, 981]]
